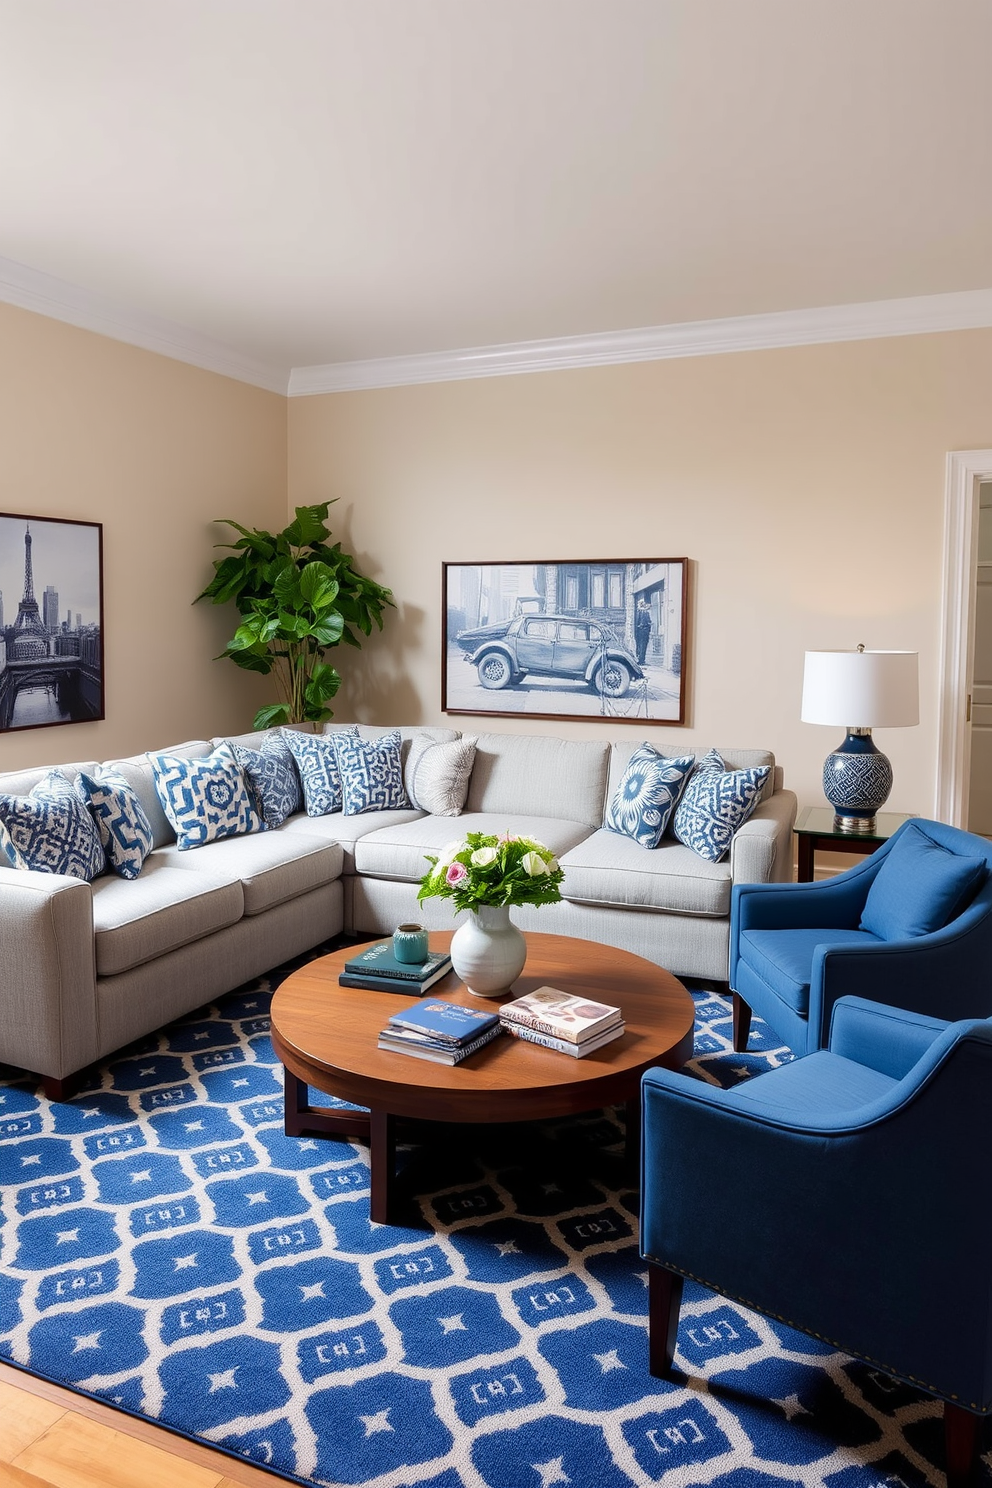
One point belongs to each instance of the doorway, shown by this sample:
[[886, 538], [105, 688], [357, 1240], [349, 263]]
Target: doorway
[[980, 770]]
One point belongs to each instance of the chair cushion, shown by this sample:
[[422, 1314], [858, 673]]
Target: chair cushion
[[204, 799], [609, 869], [50, 831], [398, 852], [438, 776], [317, 762], [919, 888], [271, 867], [371, 772], [820, 1084], [643, 802], [714, 804], [163, 909], [125, 831], [783, 959], [270, 771]]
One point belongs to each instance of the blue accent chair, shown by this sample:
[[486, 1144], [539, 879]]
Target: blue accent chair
[[911, 925], [844, 1194]]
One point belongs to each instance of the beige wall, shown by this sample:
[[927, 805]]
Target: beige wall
[[153, 449], [805, 484]]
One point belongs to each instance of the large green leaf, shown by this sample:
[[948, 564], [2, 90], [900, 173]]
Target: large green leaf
[[309, 526], [270, 717], [318, 586]]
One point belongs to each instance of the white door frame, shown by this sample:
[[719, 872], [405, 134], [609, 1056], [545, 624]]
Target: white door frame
[[966, 469]]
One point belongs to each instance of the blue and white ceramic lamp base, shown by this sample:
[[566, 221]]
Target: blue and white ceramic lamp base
[[857, 779]]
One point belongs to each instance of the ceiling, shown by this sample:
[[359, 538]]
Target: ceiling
[[320, 181]]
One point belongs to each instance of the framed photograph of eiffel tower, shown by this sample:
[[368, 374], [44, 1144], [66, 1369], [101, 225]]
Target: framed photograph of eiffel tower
[[51, 621]]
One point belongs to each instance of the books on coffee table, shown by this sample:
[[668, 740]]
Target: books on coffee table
[[443, 1032], [375, 967], [561, 1021]]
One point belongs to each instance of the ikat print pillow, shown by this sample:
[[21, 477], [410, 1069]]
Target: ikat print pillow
[[271, 774], [647, 794], [204, 799], [51, 831], [317, 764], [371, 773], [715, 804], [125, 831]]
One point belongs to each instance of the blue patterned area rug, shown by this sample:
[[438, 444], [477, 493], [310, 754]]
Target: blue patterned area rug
[[167, 1249]]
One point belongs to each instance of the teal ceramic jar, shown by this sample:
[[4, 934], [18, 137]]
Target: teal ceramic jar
[[410, 944]]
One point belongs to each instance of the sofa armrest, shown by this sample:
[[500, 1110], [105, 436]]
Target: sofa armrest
[[48, 1021], [761, 851]]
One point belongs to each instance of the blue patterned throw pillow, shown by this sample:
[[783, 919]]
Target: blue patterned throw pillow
[[51, 831], [646, 796], [204, 799], [125, 831], [272, 778], [371, 773], [318, 766], [715, 803]]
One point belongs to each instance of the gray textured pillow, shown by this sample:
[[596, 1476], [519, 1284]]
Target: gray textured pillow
[[440, 775]]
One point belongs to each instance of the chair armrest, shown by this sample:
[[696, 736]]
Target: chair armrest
[[887, 1039], [761, 850], [48, 1021], [834, 903]]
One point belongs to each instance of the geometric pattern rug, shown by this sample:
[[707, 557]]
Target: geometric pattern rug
[[167, 1249]]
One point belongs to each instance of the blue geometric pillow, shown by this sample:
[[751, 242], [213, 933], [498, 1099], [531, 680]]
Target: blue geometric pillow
[[271, 775], [371, 773], [51, 831], [714, 805], [645, 798], [318, 766], [204, 799], [125, 831]]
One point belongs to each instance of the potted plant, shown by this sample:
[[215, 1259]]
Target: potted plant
[[298, 598]]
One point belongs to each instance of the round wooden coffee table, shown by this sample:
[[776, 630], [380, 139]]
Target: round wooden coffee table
[[326, 1037]]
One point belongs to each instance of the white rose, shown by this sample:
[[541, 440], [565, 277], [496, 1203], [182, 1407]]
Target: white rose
[[449, 854], [533, 864], [553, 864], [483, 856]]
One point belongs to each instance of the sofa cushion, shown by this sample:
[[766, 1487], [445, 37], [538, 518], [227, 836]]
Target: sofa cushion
[[783, 959], [347, 830], [371, 772], [644, 800], [272, 777], [317, 762], [137, 771], [271, 867], [920, 887], [164, 908], [413, 741], [124, 829], [611, 870], [439, 776], [205, 799], [50, 831], [399, 852], [732, 759], [22, 782], [535, 775], [714, 804]]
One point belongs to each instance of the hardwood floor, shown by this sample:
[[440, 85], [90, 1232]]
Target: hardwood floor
[[52, 1438]]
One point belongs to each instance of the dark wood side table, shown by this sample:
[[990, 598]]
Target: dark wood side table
[[815, 829]]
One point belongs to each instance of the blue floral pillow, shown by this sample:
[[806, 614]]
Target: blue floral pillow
[[51, 831], [318, 766], [371, 773], [646, 796], [204, 799], [272, 778], [715, 803], [125, 831]]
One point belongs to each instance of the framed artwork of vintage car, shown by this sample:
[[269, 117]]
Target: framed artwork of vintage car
[[600, 639]]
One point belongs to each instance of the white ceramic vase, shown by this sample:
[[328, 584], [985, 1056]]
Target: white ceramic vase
[[488, 951]]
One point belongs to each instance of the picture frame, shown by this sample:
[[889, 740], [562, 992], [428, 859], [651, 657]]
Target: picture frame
[[567, 639], [51, 622]]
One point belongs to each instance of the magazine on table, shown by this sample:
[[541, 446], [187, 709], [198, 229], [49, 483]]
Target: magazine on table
[[566, 1046], [447, 1022], [561, 1014]]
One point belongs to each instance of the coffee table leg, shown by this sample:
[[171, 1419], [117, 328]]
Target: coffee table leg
[[382, 1156], [296, 1093]]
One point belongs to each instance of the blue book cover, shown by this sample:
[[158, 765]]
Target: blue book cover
[[445, 1020]]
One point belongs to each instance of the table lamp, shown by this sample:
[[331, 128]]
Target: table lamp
[[860, 690]]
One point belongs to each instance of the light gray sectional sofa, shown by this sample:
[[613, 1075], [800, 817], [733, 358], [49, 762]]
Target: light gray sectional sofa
[[89, 967]]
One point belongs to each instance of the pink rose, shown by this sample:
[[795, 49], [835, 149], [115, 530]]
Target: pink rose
[[456, 874]]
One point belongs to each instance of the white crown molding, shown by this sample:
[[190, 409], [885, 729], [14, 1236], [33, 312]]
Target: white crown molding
[[32, 290], [924, 314]]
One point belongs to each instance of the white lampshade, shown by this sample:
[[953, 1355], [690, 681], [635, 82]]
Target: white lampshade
[[862, 689]]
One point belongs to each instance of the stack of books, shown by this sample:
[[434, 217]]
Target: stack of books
[[557, 1020], [439, 1031], [376, 968]]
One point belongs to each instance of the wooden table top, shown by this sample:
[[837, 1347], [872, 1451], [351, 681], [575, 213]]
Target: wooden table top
[[326, 1035]]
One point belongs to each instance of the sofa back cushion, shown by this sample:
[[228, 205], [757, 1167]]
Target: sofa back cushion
[[536, 775]]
